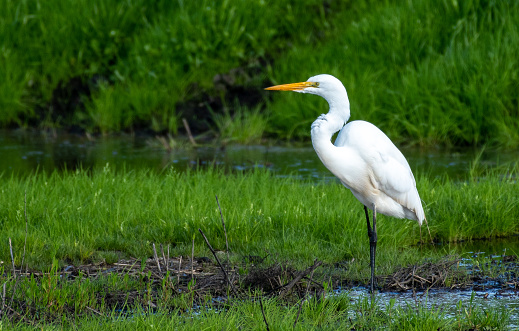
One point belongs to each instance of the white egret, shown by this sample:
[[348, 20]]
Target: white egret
[[363, 158]]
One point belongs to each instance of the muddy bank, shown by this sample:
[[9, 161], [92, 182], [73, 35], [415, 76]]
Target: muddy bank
[[183, 283]]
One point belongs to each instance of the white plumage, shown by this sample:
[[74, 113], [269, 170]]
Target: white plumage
[[363, 157], [375, 171]]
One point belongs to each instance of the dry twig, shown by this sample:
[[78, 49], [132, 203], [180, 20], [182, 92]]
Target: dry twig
[[156, 258], [304, 298], [3, 301], [179, 267], [288, 287], [12, 257], [218, 260], [166, 262], [188, 130], [263, 312]]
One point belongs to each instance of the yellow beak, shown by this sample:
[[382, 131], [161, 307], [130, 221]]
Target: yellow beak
[[292, 87]]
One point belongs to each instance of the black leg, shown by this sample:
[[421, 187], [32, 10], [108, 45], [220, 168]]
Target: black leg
[[372, 234], [367, 220]]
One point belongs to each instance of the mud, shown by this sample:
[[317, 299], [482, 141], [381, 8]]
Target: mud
[[202, 277]]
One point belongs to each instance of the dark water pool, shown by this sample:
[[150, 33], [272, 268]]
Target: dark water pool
[[25, 152]]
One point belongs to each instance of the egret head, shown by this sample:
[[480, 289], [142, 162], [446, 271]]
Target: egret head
[[323, 85]]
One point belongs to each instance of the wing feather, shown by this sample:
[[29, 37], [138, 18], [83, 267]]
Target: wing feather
[[390, 171]]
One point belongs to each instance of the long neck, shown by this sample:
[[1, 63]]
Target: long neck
[[325, 126]]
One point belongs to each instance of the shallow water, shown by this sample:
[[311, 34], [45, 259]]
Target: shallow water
[[25, 152], [486, 293], [446, 300], [490, 249]]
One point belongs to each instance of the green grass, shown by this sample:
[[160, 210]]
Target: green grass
[[135, 65], [118, 65], [87, 216], [76, 216], [423, 80], [330, 313], [245, 126]]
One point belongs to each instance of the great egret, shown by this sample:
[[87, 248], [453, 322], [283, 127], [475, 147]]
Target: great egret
[[363, 158]]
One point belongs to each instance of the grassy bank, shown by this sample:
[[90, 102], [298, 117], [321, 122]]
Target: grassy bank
[[104, 216], [420, 79], [110, 66], [84, 215]]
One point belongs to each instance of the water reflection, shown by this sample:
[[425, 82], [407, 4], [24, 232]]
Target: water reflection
[[25, 152]]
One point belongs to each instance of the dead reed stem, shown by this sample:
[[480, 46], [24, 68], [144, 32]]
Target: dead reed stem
[[164, 257], [304, 298], [12, 257], [3, 301], [179, 267], [188, 130], [264, 317], [218, 260], [287, 287], [26, 226], [192, 259], [156, 258]]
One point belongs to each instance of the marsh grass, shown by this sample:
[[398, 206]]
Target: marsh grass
[[129, 65], [244, 126], [108, 214], [449, 83], [83, 215]]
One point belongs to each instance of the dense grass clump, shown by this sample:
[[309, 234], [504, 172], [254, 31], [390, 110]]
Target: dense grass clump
[[78, 216], [424, 72], [110, 65]]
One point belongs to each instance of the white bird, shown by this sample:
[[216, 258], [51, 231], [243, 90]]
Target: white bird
[[363, 158]]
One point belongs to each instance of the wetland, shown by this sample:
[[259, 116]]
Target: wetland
[[283, 215], [102, 198]]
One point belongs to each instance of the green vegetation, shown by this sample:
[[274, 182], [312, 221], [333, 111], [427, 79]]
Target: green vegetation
[[107, 66], [130, 63], [75, 216], [108, 214], [423, 72], [331, 313]]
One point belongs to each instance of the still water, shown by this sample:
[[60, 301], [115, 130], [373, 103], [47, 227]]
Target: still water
[[23, 153]]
